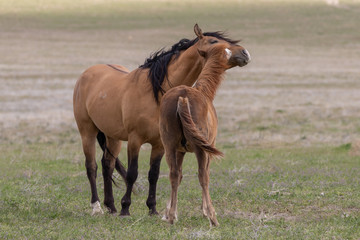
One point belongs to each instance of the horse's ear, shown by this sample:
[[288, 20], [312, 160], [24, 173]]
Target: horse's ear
[[198, 31]]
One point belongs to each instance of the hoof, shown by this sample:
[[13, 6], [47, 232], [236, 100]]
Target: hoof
[[213, 222], [124, 213], [111, 208], [96, 208], [153, 212], [167, 219]]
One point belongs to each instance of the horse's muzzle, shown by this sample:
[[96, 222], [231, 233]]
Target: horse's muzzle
[[240, 58]]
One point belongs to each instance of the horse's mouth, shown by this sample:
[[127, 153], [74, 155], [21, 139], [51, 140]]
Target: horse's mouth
[[243, 62], [243, 58]]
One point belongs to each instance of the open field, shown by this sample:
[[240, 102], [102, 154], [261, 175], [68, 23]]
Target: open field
[[288, 122], [310, 193]]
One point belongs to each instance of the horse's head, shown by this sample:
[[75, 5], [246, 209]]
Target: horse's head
[[236, 55]]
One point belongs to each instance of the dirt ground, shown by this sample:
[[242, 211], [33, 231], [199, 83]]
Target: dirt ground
[[288, 95]]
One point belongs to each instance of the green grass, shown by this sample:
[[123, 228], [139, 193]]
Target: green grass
[[296, 193]]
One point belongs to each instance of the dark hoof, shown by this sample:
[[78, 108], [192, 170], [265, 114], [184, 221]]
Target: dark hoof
[[153, 213], [111, 208], [124, 213]]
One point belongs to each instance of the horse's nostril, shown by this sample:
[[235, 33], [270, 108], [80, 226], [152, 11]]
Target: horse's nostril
[[245, 52]]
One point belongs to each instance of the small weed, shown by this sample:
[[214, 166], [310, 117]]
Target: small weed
[[344, 147]]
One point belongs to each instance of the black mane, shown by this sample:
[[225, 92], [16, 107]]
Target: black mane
[[158, 62]]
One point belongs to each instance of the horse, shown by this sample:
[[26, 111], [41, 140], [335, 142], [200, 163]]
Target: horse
[[112, 104], [188, 123]]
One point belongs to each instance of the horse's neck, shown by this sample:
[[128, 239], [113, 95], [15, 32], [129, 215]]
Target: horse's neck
[[210, 78], [184, 70]]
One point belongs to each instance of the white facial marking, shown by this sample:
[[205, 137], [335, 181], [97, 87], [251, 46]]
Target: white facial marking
[[228, 53]]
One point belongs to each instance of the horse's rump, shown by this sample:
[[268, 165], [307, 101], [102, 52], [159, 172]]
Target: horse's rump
[[191, 131]]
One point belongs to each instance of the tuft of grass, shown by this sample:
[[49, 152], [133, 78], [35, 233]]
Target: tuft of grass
[[344, 147]]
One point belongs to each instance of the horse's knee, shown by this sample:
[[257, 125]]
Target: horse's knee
[[174, 174], [175, 178]]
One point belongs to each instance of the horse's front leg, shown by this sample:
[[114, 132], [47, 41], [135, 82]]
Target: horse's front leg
[[157, 153], [134, 145]]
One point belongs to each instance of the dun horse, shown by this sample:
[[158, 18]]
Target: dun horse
[[114, 105], [188, 123]]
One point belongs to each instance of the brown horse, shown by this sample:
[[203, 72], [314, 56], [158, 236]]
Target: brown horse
[[188, 123], [114, 105]]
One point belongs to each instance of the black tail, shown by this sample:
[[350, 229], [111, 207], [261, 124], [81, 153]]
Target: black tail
[[118, 165], [101, 140]]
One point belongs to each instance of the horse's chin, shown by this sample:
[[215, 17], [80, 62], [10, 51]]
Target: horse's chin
[[244, 63]]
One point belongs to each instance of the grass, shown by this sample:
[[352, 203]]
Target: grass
[[288, 121], [311, 193]]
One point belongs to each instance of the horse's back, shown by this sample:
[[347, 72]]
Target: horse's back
[[99, 74]]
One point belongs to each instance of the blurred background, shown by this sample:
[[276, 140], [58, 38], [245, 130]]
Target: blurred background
[[301, 88]]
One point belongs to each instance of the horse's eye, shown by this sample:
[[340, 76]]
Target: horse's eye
[[212, 41]]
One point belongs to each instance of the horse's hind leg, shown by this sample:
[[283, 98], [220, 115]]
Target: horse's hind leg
[[108, 164], [204, 176], [88, 137], [157, 153], [174, 161]]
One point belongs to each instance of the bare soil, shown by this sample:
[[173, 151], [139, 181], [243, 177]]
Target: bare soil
[[287, 95]]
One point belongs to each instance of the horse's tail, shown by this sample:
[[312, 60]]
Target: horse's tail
[[118, 165], [191, 132]]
